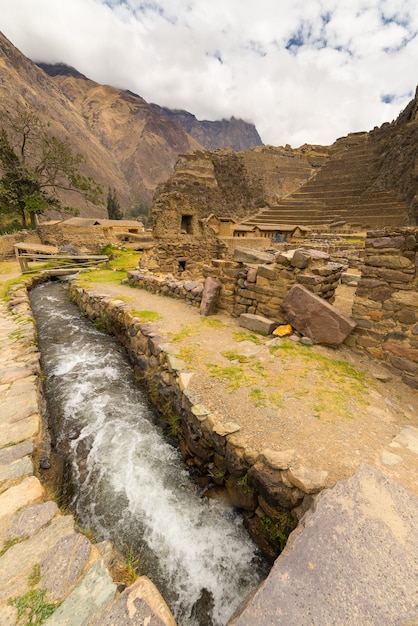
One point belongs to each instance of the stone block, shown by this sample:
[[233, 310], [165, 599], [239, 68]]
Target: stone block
[[141, 603], [250, 255], [257, 323], [334, 569], [313, 317]]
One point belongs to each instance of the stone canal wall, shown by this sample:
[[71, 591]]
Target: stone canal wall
[[271, 496], [49, 569], [386, 302]]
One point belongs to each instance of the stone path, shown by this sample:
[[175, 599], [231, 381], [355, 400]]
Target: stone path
[[47, 565]]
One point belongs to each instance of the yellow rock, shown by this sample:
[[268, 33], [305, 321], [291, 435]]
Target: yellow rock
[[283, 331]]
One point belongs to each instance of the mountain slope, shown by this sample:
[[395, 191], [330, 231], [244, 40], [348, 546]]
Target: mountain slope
[[144, 143], [235, 133]]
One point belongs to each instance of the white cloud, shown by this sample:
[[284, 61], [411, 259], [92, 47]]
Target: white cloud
[[301, 71]]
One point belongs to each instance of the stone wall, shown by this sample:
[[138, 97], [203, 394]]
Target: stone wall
[[7, 241], [271, 496], [255, 284], [89, 239], [386, 301]]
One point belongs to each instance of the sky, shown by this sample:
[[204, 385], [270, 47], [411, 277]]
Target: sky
[[303, 71]]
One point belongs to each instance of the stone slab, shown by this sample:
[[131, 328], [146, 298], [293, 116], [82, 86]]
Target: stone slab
[[17, 452], [251, 255], [140, 604], [26, 492], [30, 519], [22, 467], [93, 593], [18, 431], [353, 561], [315, 318], [257, 323], [17, 562], [62, 566]]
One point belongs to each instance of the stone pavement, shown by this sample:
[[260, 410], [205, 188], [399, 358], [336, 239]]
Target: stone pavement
[[48, 567]]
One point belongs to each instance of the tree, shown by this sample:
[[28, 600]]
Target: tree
[[35, 165], [113, 207]]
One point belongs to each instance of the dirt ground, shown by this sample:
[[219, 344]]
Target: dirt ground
[[333, 408]]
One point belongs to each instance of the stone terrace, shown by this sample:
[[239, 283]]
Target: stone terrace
[[342, 190]]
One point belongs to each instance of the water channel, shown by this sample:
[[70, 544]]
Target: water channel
[[128, 482]]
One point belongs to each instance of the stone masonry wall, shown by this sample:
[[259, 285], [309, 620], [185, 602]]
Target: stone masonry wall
[[386, 301], [251, 287], [271, 495], [7, 241]]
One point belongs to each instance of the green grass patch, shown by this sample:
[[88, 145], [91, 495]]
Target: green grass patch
[[244, 336], [8, 544], [234, 375], [231, 355], [120, 262], [184, 333], [147, 316], [212, 322], [32, 608], [259, 397]]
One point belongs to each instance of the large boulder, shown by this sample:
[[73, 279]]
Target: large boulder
[[315, 318], [354, 560]]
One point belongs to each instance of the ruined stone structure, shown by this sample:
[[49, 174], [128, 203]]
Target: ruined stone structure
[[252, 282], [386, 303]]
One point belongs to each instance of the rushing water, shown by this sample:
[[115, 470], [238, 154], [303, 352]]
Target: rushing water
[[129, 483]]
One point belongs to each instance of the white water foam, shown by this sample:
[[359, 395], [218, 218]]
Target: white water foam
[[131, 485]]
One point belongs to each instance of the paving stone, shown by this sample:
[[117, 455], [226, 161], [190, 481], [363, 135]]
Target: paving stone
[[17, 563], [141, 604], [15, 409], [26, 492], [30, 519], [93, 593], [23, 467], [353, 561], [62, 566], [15, 453], [21, 430]]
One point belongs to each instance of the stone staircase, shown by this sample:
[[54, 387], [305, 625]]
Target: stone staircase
[[341, 191]]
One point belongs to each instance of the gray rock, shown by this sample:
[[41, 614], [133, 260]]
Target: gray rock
[[15, 453], [94, 592], [301, 258], [315, 318], [23, 467], [31, 518], [138, 605], [210, 296], [353, 561], [17, 563], [257, 323], [250, 255], [62, 566]]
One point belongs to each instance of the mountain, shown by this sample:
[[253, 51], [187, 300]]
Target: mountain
[[127, 145], [235, 133]]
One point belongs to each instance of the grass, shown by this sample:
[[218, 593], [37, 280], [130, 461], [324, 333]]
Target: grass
[[244, 336], [8, 544], [32, 608], [331, 383], [234, 375], [146, 316], [187, 331], [120, 263]]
